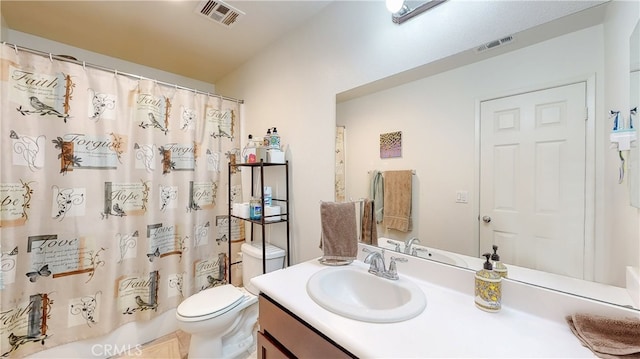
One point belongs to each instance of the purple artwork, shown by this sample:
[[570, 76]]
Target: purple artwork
[[391, 144]]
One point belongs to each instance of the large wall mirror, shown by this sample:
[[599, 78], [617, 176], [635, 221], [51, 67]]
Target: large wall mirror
[[492, 134]]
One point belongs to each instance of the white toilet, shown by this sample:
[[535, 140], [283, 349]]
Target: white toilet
[[221, 319]]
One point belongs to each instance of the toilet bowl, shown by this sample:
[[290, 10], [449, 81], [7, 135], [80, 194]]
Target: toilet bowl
[[221, 319]]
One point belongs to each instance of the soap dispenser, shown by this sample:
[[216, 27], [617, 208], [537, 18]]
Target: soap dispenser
[[275, 139], [498, 266], [488, 287], [267, 138]]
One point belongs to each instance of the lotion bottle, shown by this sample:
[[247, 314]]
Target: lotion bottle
[[488, 288], [267, 139], [498, 266], [275, 139]]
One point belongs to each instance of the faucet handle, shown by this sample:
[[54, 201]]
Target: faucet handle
[[397, 248], [399, 259], [392, 273]]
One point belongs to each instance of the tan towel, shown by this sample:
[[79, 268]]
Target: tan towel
[[369, 230], [607, 337], [339, 238], [397, 200]]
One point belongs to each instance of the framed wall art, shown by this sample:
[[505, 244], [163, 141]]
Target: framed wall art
[[391, 144]]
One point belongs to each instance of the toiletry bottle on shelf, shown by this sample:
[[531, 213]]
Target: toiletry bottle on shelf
[[267, 196], [275, 139], [488, 288], [267, 139], [255, 209], [498, 266], [249, 151]]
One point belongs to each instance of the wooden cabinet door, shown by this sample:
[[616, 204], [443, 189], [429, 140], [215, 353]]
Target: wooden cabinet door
[[294, 335], [268, 350]]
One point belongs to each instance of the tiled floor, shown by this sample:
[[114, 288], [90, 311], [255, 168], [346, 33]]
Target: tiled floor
[[172, 346]]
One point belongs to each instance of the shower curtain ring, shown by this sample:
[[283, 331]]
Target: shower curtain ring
[[15, 47], [51, 57], [84, 66]]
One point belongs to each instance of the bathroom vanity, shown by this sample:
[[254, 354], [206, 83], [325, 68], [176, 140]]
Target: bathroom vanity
[[282, 335], [531, 322]]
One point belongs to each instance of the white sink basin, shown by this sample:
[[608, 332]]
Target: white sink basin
[[354, 293]]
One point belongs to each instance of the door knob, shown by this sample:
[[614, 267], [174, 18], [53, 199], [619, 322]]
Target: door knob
[[486, 219]]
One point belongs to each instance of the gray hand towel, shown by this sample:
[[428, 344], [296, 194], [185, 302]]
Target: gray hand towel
[[339, 238], [607, 337]]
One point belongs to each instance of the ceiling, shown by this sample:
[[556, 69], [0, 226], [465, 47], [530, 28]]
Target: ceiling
[[168, 35]]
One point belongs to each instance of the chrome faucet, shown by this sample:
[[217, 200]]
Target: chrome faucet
[[408, 243], [377, 266], [375, 261]]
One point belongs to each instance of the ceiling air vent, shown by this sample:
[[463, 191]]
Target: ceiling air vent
[[495, 43], [219, 12]]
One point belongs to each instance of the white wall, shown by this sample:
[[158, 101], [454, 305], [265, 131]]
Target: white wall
[[293, 83], [437, 117], [57, 48]]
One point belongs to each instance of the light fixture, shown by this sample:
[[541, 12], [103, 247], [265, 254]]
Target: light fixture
[[400, 12], [394, 6]]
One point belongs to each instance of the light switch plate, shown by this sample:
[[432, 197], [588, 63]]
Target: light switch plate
[[462, 196]]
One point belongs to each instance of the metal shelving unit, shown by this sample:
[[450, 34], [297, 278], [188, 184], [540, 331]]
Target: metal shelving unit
[[258, 168]]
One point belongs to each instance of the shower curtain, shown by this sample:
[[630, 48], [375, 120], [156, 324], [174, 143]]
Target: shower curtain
[[112, 192]]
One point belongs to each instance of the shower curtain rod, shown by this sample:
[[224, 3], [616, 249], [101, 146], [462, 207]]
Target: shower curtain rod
[[98, 67]]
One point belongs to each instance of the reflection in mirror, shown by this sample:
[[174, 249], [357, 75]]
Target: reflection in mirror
[[543, 78]]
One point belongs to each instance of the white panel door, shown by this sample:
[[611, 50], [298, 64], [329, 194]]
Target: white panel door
[[532, 179]]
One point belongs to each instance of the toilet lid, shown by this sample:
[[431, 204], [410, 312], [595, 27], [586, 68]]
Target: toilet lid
[[210, 301]]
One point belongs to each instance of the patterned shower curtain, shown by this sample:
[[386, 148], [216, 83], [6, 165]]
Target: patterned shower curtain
[[113, 199]]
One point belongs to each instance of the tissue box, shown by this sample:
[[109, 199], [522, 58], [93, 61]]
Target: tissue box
[[275, 156], [240, 210], [271, 211]]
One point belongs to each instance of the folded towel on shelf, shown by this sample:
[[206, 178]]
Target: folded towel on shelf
[[397, 200], [339, 237], [376, 193], [607, 337], [369, 227]]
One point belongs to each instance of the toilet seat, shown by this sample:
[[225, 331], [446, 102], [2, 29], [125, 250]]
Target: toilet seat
[[210, 303]]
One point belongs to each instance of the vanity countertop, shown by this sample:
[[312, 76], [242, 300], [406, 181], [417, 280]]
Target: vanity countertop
[[450, 326]]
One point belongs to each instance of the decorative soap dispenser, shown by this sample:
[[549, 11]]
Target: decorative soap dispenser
[[498, 266], [488, 288]]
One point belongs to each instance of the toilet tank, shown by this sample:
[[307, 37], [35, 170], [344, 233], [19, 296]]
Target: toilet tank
[[252, 262]]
